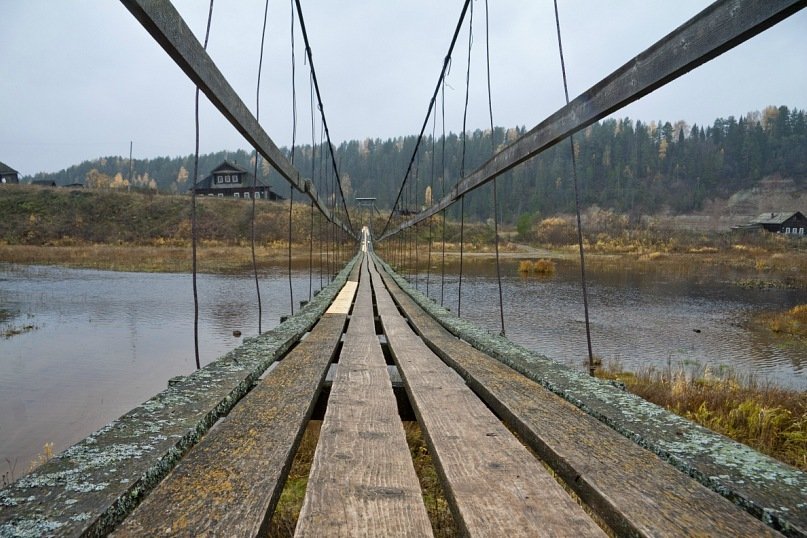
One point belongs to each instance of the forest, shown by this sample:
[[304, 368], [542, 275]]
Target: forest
[[627, 165]]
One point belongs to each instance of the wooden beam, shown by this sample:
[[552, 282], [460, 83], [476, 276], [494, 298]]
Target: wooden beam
[[362, 480], [493, 483], [166, 26], [715, 30], [629, 487]]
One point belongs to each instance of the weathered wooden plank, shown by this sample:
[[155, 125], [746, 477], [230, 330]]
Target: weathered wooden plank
[[768, 489], [229, 484], [167, 27], [629, 487], [90, 487], [362, 480], [496, 487], [715, 30]]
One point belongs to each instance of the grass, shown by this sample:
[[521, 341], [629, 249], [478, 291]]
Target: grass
[[542, 267], [770, 419], [792, 322], [284, 520]]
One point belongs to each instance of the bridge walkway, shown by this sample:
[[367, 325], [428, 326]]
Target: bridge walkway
[[501, 443], [513, 458]]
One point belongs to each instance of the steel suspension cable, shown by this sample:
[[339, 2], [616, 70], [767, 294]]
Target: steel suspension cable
[[462, 161], [255, 174], [493, 152], [194, 226], [313, 173], [442, 193], [441, 78], [293, 143], [322, 109], [431, 192], [576, 203]]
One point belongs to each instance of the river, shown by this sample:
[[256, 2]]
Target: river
[[103, 342]]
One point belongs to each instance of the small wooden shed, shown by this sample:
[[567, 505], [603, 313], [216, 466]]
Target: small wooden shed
[[792, 223], [8, 174]]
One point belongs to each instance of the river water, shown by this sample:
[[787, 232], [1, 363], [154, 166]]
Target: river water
[[103, 342]]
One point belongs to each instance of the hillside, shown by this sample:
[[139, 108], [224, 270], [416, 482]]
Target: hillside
[[629, 166], [38, 216]]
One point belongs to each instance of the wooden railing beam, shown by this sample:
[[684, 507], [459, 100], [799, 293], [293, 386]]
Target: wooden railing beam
[[715, 30], [161, 19]]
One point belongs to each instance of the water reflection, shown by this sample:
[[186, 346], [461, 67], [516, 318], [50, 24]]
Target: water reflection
[[107, 341], [638, 318]]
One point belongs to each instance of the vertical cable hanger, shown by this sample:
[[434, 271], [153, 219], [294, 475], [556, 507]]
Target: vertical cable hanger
[[462, 161], [313, 173], [293, 143], [255, 175], [493, 152], [576, 203], [431, 219], [443, 192], [194, 227]]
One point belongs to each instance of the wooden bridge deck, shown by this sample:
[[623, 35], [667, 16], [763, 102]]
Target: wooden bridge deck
[[514, 459]]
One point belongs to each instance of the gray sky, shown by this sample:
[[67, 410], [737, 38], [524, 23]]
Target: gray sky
[[83, 78]]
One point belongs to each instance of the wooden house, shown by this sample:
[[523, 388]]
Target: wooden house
[[8, 174], [792, 223], [229, 180]]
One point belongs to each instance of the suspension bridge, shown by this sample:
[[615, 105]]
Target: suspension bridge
[[522, 445]]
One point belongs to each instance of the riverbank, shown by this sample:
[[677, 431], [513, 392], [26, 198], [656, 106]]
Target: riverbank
[[770, 419]]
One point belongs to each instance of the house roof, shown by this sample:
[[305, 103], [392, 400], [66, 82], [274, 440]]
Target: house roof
[[6, 169], [226, 166], [776, 218]]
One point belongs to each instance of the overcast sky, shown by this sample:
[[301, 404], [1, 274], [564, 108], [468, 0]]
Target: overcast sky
[[81, 78]]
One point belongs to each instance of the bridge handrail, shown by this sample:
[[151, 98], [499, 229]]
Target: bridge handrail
[[767, 488], [93, 485]]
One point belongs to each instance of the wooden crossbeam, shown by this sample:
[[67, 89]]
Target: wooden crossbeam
[[167, 27], [629, 487], [230, 483], [362, 481], [715, 30], [495, 486]]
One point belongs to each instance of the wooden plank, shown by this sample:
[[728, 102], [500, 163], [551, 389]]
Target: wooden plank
[[496, 487], [628, 486], [231, 481], [90, 487], [765, 487], [167, 27], [362, 480], [715, 30]]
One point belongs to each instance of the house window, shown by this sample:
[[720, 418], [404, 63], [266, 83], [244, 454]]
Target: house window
[[257, 194], [246, 195], [787, 230], [221, 195], [219, 179], [236, 195], [801, 231]]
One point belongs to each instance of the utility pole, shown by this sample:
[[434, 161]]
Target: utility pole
[[129, 186]]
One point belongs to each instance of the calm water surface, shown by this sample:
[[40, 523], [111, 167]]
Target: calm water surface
[[685, 319], [106, 341]]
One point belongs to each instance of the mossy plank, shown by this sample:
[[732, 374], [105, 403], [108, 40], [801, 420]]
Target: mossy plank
[[633, 490], [362, 480], [770, 490], [90, 487], [495, 486], [231, 480]]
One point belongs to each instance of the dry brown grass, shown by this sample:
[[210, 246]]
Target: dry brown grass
[[288, 508], [792, 322], [542, 267], [767, 418], [212, 256]]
